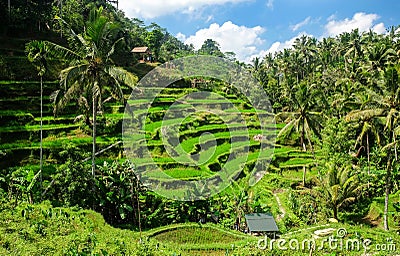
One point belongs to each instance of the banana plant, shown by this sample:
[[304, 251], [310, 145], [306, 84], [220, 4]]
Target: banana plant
[[22, 182]]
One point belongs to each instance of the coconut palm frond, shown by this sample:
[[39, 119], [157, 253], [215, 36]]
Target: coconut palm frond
[[64, 97], [390, 117], [390, 146], [285, 131], [358, 115], [365, 129], [71, 75], [79, 118], [59, 52], [112, 49], [397, 131], [120, 74], [82, 101]]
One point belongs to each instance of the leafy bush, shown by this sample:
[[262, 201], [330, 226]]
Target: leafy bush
[[72, 183], [117, 190]]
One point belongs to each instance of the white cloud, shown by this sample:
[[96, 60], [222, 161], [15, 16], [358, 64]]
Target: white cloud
[[181, 37], [301, 24], [260, 55], [279, 46], [360, 20], [379, 28], [149, 9], [270, 4], [243, 41]]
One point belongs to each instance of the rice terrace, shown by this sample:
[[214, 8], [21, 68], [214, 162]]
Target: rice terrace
[[122, 137]]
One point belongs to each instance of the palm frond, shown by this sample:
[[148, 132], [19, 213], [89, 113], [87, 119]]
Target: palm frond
[[71, 75], [397, 131], [63, 97], [60, 52], [122, 75], [390, 146], [390, 118], [112, 50], [366, 114], [285, 131]]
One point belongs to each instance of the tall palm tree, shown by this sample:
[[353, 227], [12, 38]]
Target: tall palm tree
[[307, 48], [303, 117], [386, 105], [368, 121], [391, 104], [36, 52], [91, 72]]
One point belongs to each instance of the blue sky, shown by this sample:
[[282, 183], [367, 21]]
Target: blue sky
[[252, 28]]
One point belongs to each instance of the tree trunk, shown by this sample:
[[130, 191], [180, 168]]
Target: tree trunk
[[303, 144], [94, 135], [395, 146], [335, 212], [41, 135], [368, 154], [138, 207], [369, 165], [387, 192], [304, 176]]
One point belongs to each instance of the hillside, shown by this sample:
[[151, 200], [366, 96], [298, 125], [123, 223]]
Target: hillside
[[97, 160]]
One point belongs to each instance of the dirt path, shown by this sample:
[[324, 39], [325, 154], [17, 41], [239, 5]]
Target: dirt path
[[281, 209]]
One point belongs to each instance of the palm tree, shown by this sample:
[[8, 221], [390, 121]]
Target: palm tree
[[306, 47], [386, 105], [368, 120], [303, 117], [355, 46], [37, 51], [91, 72], [339, 186], [391, 104]]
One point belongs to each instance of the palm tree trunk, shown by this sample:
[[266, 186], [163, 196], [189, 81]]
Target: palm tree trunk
[[304, 176], [335, 212], [395, 146], [387, 192], [303, 144], [369, 164], [138, 207], [369, 168], [94, 135], [41, 134]]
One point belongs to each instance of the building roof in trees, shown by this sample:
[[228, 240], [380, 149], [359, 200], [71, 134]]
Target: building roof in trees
[[261, 222], [142, 49]]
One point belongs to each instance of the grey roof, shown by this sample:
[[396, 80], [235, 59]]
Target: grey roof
[[261, 222]]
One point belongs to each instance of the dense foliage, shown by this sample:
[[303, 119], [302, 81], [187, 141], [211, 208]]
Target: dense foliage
[[336, 103]]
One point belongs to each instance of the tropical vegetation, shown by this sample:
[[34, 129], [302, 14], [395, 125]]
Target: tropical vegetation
[[68, 188]]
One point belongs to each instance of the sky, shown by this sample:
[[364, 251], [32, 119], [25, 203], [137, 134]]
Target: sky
[[253, 28]]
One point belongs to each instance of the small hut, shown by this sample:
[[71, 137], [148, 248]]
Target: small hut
[[261, 223], [144, 52]]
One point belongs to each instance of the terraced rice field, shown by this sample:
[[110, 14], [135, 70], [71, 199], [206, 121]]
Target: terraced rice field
[[200, 147]]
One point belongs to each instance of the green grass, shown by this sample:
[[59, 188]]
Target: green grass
[[59, 142], [187, 173], [45, 230], [194, 236], [297, 162], [33, 128]]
